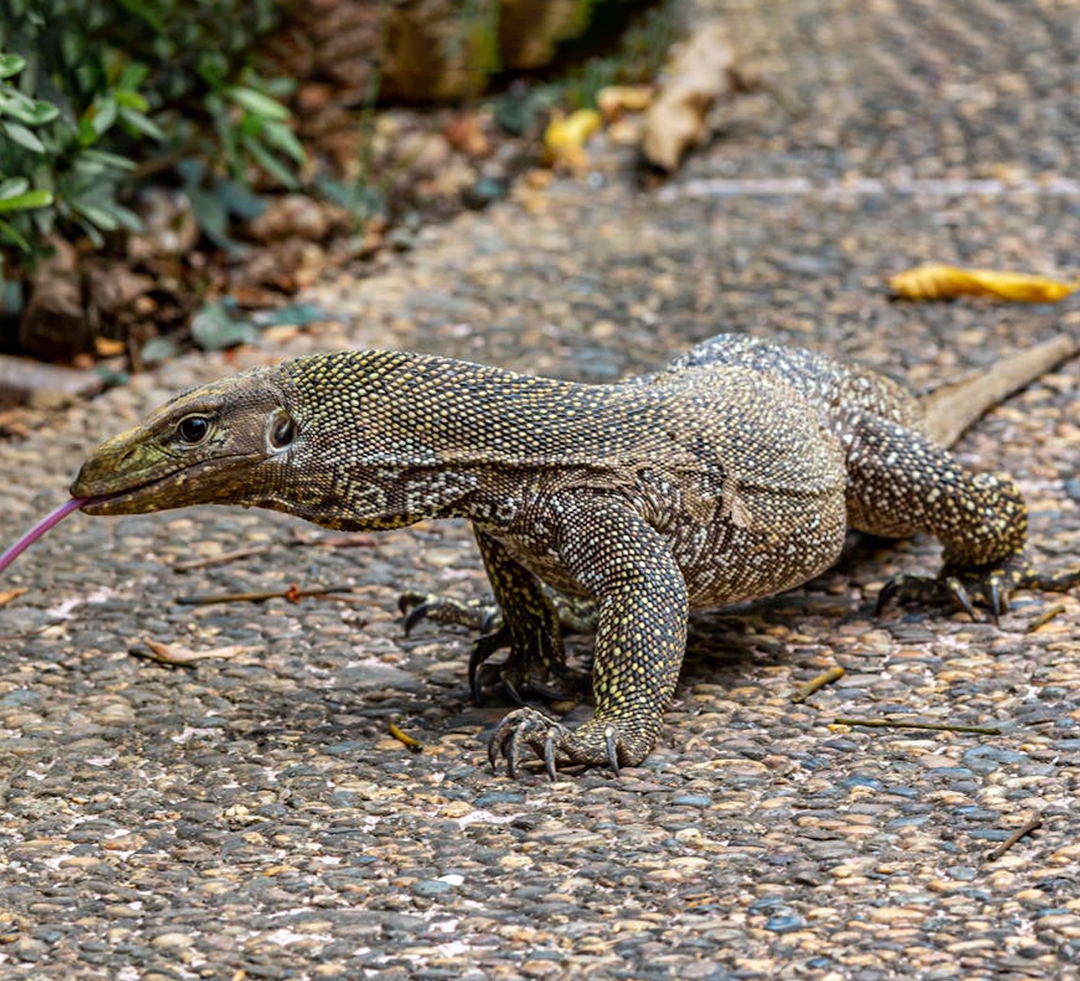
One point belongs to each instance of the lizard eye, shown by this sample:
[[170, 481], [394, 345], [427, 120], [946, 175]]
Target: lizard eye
[[281, 431], [193, 429]]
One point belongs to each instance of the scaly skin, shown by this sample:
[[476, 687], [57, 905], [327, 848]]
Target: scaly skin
[[731, 475]]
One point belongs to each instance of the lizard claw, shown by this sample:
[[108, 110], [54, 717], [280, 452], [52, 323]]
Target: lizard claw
[[593, 744], [888, 592], [997, 595], [612, 750], [960, 597], [950, 589], [443, 609], [482, 649], [550, 747]]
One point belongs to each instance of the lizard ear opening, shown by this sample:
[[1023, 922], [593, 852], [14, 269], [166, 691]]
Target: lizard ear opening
[[280, 431]]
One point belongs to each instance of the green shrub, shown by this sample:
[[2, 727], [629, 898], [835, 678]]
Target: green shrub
[[90, 101]]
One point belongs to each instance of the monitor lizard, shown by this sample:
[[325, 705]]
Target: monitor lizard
[[732, 474]]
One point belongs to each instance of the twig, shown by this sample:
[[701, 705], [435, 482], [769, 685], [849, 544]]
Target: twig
[[1019, 833], [937, 726], [222, 559], [300, 539], [31, 633], [293, 594], [362, 540], [834, 673], [414, 745], [1045, 617]]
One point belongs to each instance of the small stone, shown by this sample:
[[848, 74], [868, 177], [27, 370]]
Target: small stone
[[172, 940]]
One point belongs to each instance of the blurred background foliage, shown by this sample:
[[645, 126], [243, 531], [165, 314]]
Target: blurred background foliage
[[94, 101], [193, 114]]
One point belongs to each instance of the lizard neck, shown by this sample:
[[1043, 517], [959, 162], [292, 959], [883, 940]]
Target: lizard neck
[[389, 438]]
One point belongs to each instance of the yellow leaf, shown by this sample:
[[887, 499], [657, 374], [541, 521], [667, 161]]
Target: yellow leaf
[[108, 347], [936, 282], [565, 138]]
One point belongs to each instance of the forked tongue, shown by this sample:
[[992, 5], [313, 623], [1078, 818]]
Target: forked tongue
[[41, 527]]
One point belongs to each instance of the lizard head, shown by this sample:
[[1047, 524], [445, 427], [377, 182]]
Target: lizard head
[[223, 443], [334, 438]]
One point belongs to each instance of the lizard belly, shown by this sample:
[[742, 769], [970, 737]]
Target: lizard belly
[[730, 564]]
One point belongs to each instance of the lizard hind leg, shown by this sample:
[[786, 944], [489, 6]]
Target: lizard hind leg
[[533, 654]]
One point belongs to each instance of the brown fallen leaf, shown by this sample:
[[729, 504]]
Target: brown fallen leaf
[[699, 75], [7, 595], [183, 656], [615, 100], [940, 282]]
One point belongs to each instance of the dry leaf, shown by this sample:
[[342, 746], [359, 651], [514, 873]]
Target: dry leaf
[[7, 595], [694, 80], [615, 100], [108, 347], [937, 282], [178, 654], [565, 138]]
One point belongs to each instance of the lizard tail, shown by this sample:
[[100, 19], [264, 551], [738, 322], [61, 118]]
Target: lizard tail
[[950, 408]]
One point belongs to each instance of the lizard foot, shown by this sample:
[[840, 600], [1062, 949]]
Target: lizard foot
[[593, 743], [526, 670], [964, 589], [534, 656]]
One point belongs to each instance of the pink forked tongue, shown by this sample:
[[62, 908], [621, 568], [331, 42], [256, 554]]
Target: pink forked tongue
[[40, 528]]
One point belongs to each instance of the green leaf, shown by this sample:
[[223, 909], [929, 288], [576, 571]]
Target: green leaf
[[98, 216], [87, 136], [104, 115], [92, 233], [255, 102], [23, 202], [296, 314], [265, 159], [209, 213], [105, 159], [141, 123], [133, 75], [279, 136], [214, 329], [126, 218], [44, 112], [8, 232], [21, 135], [130, 100], [13, 186], [26, 110], [238, 199], [11, 64]]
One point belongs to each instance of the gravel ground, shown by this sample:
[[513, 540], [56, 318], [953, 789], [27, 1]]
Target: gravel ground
[[252, 817]]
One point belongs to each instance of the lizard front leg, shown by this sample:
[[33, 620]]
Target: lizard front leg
[[618, 558]]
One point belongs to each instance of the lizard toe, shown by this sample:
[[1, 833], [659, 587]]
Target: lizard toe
[[445, 609], [989, 586], [593, 744]]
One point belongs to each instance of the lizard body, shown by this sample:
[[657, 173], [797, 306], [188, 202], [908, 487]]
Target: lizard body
[[732, 474]]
